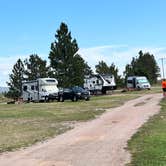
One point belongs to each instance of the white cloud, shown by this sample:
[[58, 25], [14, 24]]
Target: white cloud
[[6, 65], [120, 55]]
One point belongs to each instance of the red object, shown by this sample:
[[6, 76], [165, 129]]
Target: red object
[[163, 84]]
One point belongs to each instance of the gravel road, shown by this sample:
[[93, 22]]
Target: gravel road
[[100, 142]]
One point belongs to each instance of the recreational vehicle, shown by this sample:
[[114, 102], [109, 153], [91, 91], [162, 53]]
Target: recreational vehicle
[[99, 83], [138, 82], [42, 89]]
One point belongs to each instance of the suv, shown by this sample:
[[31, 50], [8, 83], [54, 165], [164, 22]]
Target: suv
[[73, 93]]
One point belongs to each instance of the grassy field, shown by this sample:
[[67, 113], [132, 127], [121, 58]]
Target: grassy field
[[148, 145], [25, 124]]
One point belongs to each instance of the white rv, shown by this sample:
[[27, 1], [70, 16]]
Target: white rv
[[99, 83], [42, 89], [138, 82]]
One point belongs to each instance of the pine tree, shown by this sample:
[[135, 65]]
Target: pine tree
[[114, 71], [102, 68], [77, 71], [35, 67], [87, 71], [66, 65], [16, 78], [143, 65]]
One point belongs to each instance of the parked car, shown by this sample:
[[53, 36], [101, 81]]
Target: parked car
[[74, 94]]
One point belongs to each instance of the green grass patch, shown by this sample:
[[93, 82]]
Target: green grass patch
[[22, 125], [148, 145]]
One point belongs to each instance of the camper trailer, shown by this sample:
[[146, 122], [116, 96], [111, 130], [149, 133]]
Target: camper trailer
[[99, 83], [42, 89], [138, 82]]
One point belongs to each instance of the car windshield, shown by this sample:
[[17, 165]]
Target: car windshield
[[80, 89], [49, 88], [144, 80]]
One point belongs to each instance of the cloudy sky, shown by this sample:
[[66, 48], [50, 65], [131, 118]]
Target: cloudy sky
[[109, 30]]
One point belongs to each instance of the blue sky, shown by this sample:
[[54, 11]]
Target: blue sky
[[108, 30]]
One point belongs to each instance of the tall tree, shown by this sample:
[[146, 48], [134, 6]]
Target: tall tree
[[16, 78], [114, 71], [36, 67], [102, 68], [143, 65], [77, 71], [87, 71], [67, 66]]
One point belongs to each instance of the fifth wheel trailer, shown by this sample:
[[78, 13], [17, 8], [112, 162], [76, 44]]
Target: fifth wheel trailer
[[99, 83], [42, 89]]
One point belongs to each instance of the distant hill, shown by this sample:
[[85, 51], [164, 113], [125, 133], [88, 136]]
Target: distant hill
[[3, 89]]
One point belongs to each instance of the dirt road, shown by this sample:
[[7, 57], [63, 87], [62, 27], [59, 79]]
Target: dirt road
[[100, 142]]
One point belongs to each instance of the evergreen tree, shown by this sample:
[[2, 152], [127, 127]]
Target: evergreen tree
[[66, 65], [144, 65], [114, 71], [36, 67], [102, 68], [76, 76], [87, 71], [16, 78]]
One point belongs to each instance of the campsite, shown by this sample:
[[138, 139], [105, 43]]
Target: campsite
[[82, 83], [23, 125]]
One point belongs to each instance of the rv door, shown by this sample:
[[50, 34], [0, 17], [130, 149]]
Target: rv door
[[134, 82]]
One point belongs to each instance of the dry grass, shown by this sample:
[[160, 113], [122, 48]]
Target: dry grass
[[25, 124]]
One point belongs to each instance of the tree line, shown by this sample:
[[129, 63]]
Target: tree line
[[69, 68]]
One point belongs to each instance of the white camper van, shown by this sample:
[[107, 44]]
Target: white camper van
[[42, 89], [99, 83], [138, 82]]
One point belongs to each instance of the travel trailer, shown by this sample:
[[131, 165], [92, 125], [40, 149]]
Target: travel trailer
[[42, 89], [138, 82], [99, 83]]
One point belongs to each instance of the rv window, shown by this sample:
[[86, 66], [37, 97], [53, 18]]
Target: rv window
[[50, 80], [32, 87], [129, 81], [93, 82], [25, 88], [97, 81]]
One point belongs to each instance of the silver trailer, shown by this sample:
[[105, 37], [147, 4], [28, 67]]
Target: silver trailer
[[42, 89], [99, 83], [138, 82]]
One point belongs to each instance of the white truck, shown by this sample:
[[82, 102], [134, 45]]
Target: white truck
[[99, 83], [138, 82], [42, 89]]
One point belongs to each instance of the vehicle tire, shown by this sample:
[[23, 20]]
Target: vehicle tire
[[74, 98], [61, 99], [87, 98]]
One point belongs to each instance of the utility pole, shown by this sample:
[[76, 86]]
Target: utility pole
[[162, 61]]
